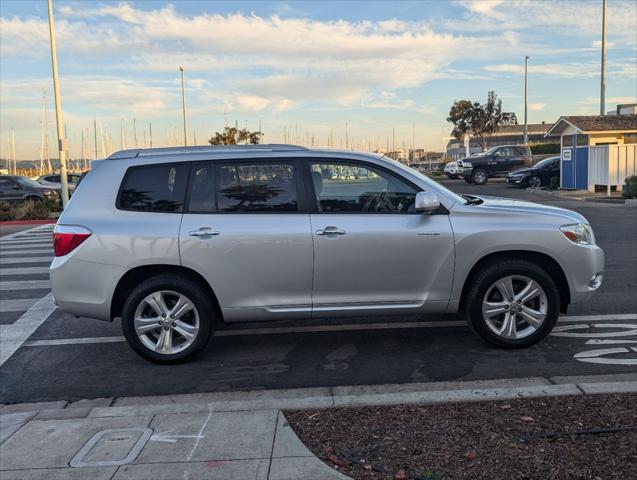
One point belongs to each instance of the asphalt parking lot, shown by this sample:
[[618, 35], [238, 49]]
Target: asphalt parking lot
[[57, 357]]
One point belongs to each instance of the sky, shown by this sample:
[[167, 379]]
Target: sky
[[304, 71]]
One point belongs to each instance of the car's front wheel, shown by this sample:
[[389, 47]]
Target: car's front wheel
[[512, 303], [534, 182], [168, 318]]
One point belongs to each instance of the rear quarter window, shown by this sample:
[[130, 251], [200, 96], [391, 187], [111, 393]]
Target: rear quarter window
[[154, 188]]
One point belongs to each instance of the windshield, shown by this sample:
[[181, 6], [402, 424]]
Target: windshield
[[435, 185], [27, 182], [545, 162]]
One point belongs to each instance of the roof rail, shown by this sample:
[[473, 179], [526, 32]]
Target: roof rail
[[145, 152]]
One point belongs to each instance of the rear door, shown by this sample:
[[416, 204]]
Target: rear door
[[372, 252], [247, 231], [10, 191], [503, 160]]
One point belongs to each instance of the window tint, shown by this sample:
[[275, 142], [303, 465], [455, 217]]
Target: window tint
[[256, 187], [202, 189], [157, 188], [6, 184], [343, 187], [53, 178], [520, 151]]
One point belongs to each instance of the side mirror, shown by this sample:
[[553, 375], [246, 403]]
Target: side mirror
[[15, 187], [427, 202]]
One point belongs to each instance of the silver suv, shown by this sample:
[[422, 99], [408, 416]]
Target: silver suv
[[177, 241]]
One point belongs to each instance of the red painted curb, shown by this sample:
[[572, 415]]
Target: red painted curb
[[29, 222]]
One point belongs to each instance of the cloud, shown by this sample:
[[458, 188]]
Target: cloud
[[584, 69], [536, 107]]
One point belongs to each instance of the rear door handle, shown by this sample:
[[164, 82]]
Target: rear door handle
[[331, 231], [204, 232]]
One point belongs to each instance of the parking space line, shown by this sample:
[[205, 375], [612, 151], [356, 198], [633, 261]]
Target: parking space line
[[598, 318], [13, 336], [284, 330]]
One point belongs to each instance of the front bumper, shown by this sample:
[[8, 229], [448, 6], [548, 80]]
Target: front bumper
[[515, 180], [465, 172], [584, 269]]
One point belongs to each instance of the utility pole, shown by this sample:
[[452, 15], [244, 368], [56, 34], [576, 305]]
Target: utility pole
[[122, 136], [62, 147], [526, 99], [183, 105], [602, 89]]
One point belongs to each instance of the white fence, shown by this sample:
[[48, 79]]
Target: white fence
[[610, 165]]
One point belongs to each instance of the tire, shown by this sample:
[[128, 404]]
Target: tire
[[198, 320], [534, 182], [519, 332], [479, 176]]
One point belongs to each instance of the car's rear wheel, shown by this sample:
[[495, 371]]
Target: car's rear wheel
[[512, 303], [168, 318], [479, 177], [534, 182]]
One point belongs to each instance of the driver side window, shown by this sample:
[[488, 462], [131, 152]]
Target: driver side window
[[355, 188]]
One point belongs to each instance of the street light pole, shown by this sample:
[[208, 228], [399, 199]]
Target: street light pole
[[602, 90], [526, 99], [62, 147], [183, 105]]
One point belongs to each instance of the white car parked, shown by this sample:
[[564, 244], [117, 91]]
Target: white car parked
[[55, 181], [451, 169]]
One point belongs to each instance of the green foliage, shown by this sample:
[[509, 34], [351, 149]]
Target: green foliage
[[545, 148], [630, 190], [480, 120], [31, 210], [554, 183], [234, 136]]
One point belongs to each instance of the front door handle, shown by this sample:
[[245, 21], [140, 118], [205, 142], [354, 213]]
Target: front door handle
[[331, 231], [204, 232]]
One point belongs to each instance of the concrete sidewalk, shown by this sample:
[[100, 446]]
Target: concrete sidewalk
[[233, 435]]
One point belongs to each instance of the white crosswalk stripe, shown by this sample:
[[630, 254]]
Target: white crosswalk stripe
[[25, 285], [26, 252], [19, 317], [11, 260]]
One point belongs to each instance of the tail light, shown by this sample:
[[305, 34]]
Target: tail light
[[67, 238]]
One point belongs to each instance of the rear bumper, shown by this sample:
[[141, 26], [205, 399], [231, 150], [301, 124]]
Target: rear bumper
[[84, 288]]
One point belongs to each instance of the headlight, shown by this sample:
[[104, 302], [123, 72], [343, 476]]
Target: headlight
[[580, 233], [466, 164], [48, 193]]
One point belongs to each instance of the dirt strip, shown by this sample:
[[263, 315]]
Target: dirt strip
[[575, 437]]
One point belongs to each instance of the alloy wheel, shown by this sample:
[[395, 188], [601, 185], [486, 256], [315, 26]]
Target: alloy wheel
[[514, 307], [480, 177], [166, 322], [535, 182]]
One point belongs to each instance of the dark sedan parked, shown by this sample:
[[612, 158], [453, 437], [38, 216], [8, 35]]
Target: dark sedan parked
[[539, 175], [16, 188]]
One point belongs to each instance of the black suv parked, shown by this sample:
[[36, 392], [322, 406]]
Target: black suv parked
[[496, 161], [16, 188]]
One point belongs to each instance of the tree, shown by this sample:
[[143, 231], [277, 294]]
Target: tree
[[481, 121], [234, 136]]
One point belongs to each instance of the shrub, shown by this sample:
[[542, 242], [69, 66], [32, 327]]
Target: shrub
[[555, 183], [545, 148], [630, 190], [30, 210]]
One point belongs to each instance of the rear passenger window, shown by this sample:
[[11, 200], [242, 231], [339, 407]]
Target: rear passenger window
[[156, 188], [256, 187]]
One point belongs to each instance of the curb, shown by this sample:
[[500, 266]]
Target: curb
[[8, 223], [345, 396]]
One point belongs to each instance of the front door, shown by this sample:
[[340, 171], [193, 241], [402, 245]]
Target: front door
[[246, 232], [10, 191], [372, 252]]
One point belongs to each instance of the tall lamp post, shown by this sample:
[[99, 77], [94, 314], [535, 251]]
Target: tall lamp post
[[602, 89], [526, 99], [183, 105], [62, 146]]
